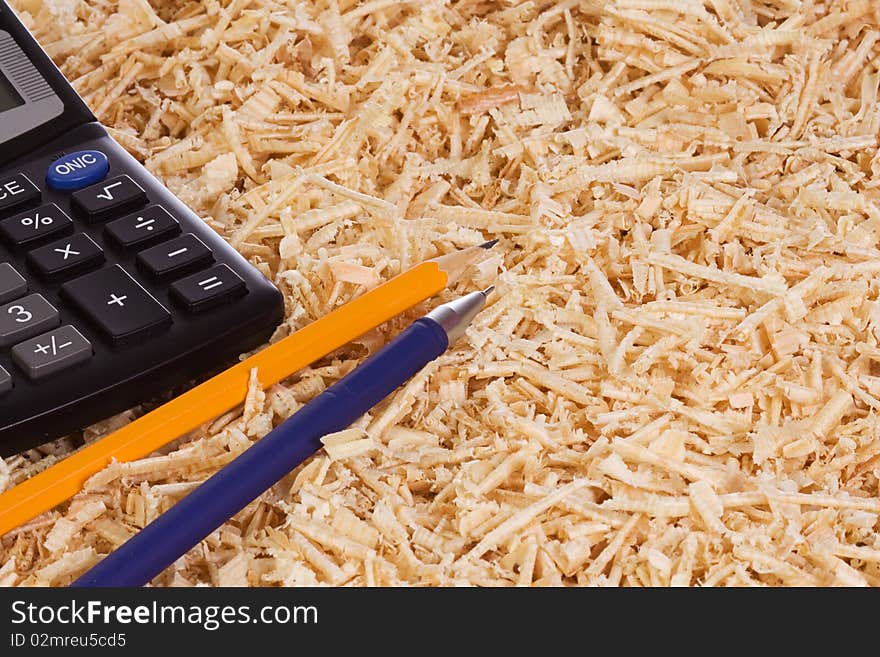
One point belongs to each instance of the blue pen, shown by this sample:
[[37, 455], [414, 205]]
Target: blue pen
[[179, 529]]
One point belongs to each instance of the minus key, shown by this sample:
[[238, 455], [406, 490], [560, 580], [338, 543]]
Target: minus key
[[175, 256]]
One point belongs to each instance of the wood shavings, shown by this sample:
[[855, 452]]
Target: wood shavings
[[678, 380], [65, 529], [347, 443], [352, 273], [522, 518], [233, 572]]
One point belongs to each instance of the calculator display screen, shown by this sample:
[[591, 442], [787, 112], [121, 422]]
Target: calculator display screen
[[9, 98], [36, 103], [27, 99]]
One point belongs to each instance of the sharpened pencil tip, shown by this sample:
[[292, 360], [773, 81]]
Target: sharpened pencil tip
[[489, 244], [488, 291]]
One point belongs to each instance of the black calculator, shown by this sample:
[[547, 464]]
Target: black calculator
[[112, 291]]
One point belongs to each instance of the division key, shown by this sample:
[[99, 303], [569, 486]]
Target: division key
[[143, 228]]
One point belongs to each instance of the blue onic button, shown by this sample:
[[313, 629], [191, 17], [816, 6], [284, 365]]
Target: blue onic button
[[77, 170]]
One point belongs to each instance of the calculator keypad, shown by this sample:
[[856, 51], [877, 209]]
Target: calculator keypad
[[25, 317], [109, 297], [117, 304]]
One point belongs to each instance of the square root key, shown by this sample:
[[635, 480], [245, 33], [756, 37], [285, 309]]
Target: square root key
[[109, 198]]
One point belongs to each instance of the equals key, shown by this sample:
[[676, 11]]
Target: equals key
[[208, 288]]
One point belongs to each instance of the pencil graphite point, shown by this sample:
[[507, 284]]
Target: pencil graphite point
[[456, 263], [488, 291]]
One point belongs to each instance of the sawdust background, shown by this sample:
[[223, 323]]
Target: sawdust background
[[717, 157]]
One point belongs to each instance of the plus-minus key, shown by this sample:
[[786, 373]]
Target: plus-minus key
[[51, 352], [117, 304]]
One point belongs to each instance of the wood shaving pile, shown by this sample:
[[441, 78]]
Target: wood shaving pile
[[678, 380]]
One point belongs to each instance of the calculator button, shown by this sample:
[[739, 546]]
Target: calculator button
[[143, 228], [116, 303], [35, 226], [208, 288], [12, 284], [77, 170], [52, 352], [5, 381], [175, 256], [109, 198], [66, 256], [26, 317], [16, 191]]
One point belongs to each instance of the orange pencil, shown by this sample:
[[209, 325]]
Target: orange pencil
[[229, 388]]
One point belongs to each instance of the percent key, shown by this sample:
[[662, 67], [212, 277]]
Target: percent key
[[35, 226]]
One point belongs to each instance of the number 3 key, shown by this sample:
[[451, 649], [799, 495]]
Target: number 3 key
[[25, 318]]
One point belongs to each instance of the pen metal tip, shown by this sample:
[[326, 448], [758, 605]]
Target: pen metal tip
[[488, 291], [489, 244]]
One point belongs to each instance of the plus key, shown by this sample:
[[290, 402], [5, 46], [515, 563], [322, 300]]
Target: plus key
[[117, 304]]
